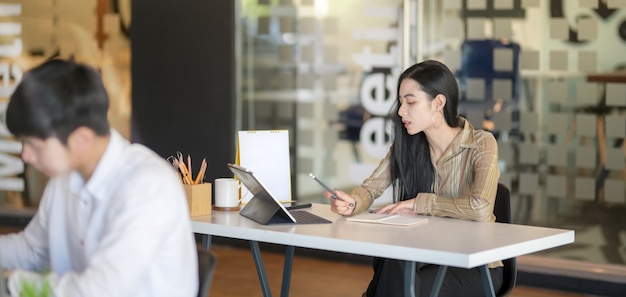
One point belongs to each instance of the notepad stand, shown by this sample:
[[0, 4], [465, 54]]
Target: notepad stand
[[198, 199]]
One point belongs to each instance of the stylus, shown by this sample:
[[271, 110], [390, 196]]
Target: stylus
[[325, 186]]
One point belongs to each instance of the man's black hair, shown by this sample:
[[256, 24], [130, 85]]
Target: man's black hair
[[55, 98]]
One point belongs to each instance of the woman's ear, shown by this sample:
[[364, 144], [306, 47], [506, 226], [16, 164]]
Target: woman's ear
[[439, 102]]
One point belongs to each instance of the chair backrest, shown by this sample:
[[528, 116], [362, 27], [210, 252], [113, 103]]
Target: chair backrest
[[477, 62], [502, 207], [489, 71], [206, 268], [502, 211]]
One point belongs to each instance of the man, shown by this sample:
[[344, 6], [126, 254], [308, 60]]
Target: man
[[113, 219]]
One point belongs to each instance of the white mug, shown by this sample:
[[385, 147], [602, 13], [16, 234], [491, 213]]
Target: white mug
[[227, 193]]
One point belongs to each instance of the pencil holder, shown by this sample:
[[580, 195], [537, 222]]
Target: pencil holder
[[198, 199]]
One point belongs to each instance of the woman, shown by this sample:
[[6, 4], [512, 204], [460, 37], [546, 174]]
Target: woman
[[438, 165]]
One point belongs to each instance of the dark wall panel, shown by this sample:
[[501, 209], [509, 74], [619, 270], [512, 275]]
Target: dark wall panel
[[183, 96]]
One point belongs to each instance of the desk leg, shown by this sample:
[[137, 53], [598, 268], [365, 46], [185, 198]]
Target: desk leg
[[206, 241], [260, 268], [284, 291], [487, 282], [438, 281], [409, 279]]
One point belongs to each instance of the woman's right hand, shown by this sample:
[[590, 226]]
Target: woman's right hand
[[343, 205]]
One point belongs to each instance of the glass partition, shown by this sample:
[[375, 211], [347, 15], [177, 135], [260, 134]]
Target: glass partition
[[326, 71]]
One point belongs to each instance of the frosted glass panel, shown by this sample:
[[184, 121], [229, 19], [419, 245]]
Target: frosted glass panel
[[475, 116], [503, 4], [586, 125], [306, 137], [305, 164], [557, 155], [529, 60], [586, 157], [587, 61], [502, 89], [330, 84], [557, 91], [530, 3], [616, 3], [263, 26], [308, 53], [615, 159], [559, 29], [285, 53], [502, 121], [306, 81], [614, 191], [476, 28], [475, 89], [285, 81], [558, 60], [586, 93], [615, 126], [502, 59], [529, 154], [529, 122], [330, 55], [287, 24], [588, 3], [585, 188], [329, 167], [528, 183], [453, 28], [477, 4], [556, 186], [505, 152], [452, 4], [502, 28], [307, 25], [558, 123], [452, 59], [330, 26], [587, 28], [616, 94]]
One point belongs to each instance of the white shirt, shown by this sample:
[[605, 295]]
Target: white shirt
[[126, 232]]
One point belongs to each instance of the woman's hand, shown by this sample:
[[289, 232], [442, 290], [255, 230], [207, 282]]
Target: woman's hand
[[402, 207], [343, 205]]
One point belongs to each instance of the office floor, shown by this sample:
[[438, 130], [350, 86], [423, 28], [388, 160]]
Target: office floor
[[236, 276]]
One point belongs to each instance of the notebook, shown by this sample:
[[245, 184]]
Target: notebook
[[264, 208], [387, 219]]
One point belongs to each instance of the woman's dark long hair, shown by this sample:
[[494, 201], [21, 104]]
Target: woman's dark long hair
[[412, 171]]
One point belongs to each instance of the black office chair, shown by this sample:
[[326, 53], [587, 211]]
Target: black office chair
[[502, 211], [206, 268]]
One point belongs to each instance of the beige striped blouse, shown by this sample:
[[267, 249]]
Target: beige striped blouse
[[466, 179]]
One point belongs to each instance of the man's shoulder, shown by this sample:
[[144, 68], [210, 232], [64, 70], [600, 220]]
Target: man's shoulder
[[139, 153]]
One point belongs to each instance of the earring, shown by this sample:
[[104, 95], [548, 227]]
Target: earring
[[432, 121]]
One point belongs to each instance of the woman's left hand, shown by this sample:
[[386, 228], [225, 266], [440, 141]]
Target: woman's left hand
[[402, 207]]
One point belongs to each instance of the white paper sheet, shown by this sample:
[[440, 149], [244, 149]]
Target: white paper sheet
[[266, 153]]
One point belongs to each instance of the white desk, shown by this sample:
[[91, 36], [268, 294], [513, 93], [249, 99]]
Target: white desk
[[441, 241]]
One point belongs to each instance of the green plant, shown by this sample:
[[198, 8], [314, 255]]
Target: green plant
[[30, 289]]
